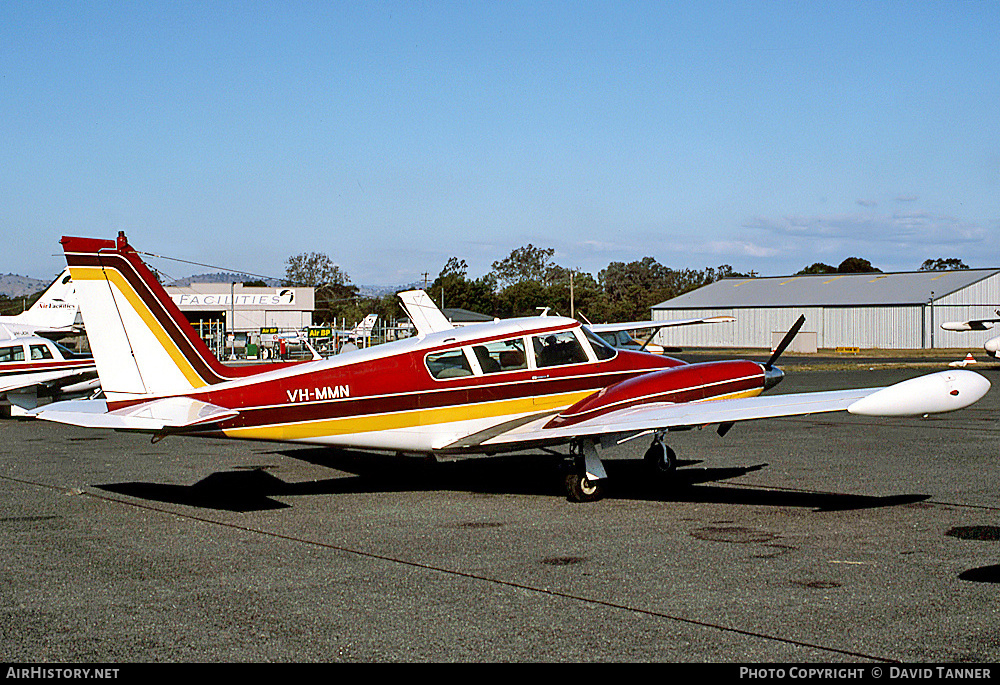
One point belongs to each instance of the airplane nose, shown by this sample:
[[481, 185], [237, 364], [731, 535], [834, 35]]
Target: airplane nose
[[772, 376], [992, 346]]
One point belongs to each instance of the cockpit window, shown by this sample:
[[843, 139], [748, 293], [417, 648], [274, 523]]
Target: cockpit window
[[70, 354], [448, 364], [41, 352], [556, 349], [602, 348]]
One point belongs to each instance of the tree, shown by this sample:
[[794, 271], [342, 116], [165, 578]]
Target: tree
[[528, 263], [633, 288], [819, 268], [462, 293], [312, 269], [942, 265], [856, 265], [334, 292]]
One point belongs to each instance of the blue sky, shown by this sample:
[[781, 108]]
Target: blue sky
[[392, 136]]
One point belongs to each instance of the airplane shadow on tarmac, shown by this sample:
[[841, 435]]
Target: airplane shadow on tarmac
[[254, 489]]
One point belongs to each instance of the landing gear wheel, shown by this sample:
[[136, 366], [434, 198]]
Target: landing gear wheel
[[579, 488], [661, 460]]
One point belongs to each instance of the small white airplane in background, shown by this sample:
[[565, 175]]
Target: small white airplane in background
[[34, 369], [617, 334], [357, 336], [992, 346], [55, 314], [484, 389]]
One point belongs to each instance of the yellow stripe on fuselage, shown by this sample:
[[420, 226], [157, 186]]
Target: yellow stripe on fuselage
[[319, 428], [437, 416], [91, 273]]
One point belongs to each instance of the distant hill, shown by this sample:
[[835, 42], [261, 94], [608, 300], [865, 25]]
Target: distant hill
[[13, 285], [219, 277], [383, 290]]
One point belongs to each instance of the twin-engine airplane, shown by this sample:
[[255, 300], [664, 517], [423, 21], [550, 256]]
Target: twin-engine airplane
[[483, 389], [34, 369]]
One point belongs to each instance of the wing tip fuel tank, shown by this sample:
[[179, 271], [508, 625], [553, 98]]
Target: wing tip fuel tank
[[933, 393]]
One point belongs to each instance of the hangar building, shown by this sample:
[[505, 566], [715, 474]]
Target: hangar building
[[866, 311]]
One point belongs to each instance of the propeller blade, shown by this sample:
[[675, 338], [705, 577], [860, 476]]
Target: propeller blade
[[792, 332]]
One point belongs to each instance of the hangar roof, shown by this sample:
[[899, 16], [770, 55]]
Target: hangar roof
[[817, 290]]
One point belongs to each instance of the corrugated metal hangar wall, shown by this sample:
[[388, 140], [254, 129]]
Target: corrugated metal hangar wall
[[867, 311]]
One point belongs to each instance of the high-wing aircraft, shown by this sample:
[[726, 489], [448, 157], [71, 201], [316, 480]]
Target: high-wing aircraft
[[483, 389], [34, 368], [617, 334], [54, 314], [992, 346]]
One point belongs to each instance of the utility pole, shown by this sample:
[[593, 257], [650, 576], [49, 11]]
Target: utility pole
[[232, 317], [572, 310]]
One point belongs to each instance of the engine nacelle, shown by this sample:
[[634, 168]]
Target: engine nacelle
[[688, 383]]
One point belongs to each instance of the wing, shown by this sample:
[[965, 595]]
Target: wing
[[970, 325], [163, 414], [933, 393], [637, 325], [53, 378]]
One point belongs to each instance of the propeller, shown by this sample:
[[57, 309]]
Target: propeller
[[792, 332], [772, 374]]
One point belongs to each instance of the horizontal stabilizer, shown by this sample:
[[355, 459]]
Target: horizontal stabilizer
[[171, 412]]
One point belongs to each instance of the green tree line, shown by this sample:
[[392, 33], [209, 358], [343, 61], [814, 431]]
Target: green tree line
[[528, 279]]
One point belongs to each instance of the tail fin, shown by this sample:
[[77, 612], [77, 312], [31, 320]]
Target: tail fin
[[54, 313], [57, 307], [365, 328], [424, 314], [142, 344]]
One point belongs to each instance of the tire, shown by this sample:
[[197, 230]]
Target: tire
[[579, 488], [661, 460]]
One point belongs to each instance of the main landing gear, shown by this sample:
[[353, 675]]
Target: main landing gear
[[585, 475], [586, 479], [660, 459]]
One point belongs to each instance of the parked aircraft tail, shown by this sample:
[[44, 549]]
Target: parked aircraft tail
[[54, 313], [426, 316], [142, 344]]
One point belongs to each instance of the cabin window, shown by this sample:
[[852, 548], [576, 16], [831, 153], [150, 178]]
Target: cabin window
[[11, 354], [41, 352], [448, 364], [501, 355], [556, 349]]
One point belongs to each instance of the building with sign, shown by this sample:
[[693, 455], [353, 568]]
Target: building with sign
[[220, 310]]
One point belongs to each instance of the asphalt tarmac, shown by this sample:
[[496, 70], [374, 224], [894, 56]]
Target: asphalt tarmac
[[823, 539]]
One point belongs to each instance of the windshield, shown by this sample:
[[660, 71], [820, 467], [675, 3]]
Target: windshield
[[601, 348]]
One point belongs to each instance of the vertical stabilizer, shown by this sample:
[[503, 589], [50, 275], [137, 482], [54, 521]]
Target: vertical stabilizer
[[142, 344], [54, 313]]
